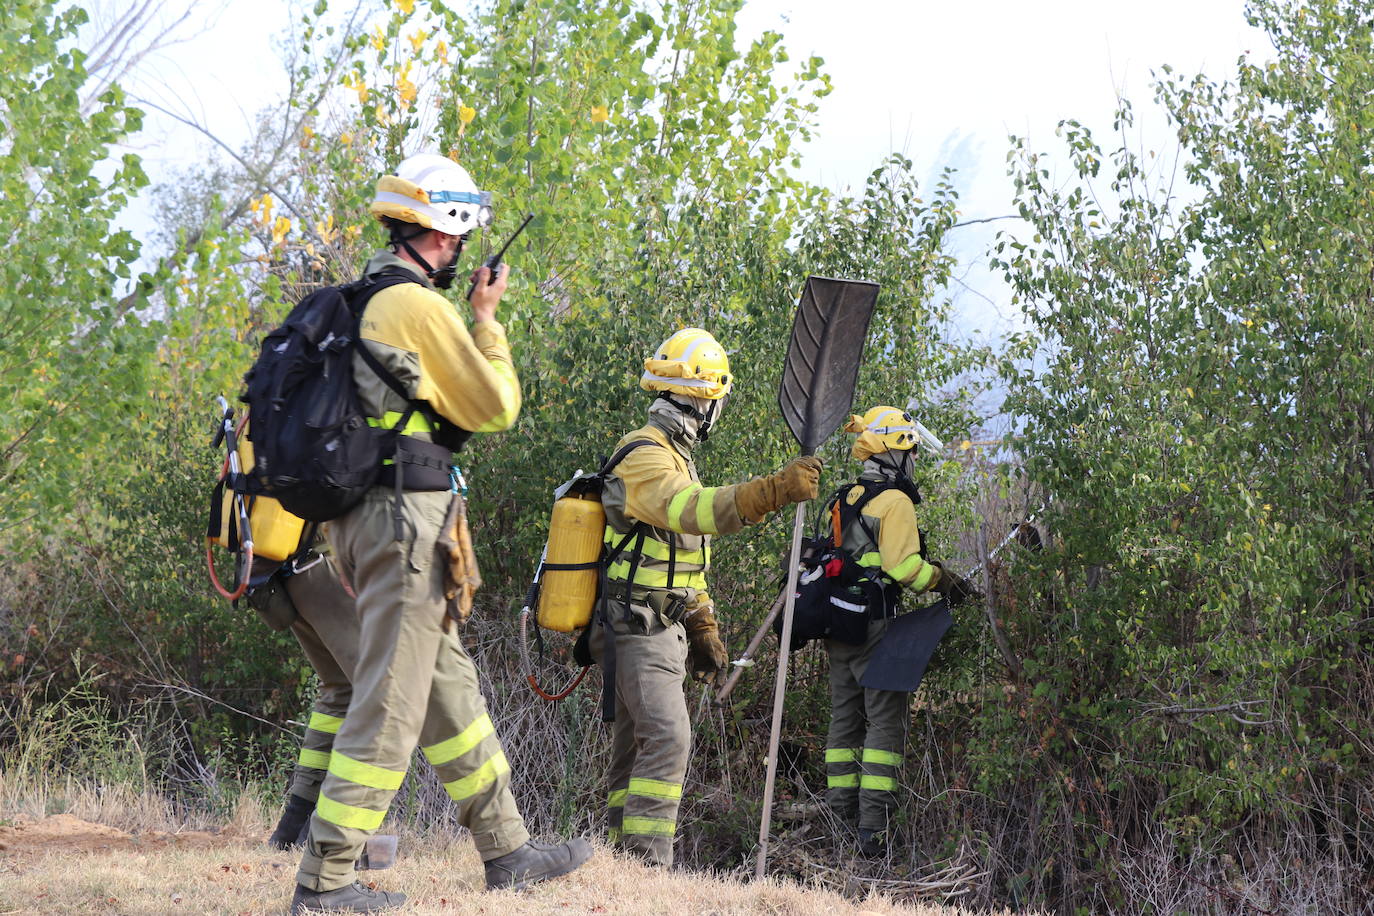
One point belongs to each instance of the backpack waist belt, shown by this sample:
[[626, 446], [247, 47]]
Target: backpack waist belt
[[425, 465], [667, 603]]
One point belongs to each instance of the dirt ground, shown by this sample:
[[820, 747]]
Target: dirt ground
[[23, 838]]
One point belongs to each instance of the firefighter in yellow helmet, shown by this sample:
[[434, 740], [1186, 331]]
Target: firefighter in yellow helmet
[[657, 620], [414, 683], [879, 528]]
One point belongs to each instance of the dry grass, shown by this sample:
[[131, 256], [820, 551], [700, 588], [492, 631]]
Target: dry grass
[[131, 876]]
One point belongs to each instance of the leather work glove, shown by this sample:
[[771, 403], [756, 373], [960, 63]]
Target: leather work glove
[[706, 655], [799, 479], [955, 588]]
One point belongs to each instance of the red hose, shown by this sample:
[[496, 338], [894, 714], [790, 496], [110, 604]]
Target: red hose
[[529, 672], [555, 697], [237, 593]]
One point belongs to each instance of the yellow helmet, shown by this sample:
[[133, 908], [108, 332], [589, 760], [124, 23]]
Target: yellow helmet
[[884, 429], [691, 362]]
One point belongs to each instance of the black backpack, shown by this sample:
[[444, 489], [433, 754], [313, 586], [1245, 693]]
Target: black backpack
[[836, 597], [313, 449]]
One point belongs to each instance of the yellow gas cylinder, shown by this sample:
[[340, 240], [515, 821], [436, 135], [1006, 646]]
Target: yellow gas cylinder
[[276, 532], [566, 596]]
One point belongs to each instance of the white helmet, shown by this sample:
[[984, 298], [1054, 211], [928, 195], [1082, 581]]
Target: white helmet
[[435, 192]]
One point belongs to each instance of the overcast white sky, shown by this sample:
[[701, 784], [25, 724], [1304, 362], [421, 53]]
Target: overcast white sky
[[943, 82]]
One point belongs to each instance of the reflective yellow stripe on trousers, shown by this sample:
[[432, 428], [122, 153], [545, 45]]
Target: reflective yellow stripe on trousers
[[315, 760], [322, 722], [348, 815], [486, 774], [455, 747], [650, 826]]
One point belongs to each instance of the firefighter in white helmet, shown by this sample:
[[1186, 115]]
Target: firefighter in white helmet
[[414, 683]]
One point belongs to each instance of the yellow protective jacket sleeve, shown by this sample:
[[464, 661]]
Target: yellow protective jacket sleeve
[[468, 378], [892, 516], [660, 490]]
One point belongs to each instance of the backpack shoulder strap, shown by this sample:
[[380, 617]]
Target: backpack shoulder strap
[[638, 528], [358, 295], [620, 454], [853, 512]]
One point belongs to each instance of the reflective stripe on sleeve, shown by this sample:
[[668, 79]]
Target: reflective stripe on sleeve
[[907, 573], [706, 510], [678, 503]]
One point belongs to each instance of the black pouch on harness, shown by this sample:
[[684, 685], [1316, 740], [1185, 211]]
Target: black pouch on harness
[[273, 603], [836, 597]]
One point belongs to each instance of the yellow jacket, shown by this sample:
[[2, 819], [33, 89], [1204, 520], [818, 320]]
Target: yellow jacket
[[892, 517], [468, 378], [658, 485]]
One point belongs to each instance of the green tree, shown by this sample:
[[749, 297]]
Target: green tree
[[1193, 646], [70, 362]]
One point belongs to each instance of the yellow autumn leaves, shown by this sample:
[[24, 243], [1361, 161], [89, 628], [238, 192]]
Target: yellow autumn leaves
[[280, 227], [261, 208]]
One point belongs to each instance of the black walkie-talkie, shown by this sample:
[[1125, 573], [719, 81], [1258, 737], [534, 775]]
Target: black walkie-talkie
[[494, 262]]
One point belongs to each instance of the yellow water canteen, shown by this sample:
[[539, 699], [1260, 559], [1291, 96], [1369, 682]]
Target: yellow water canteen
[[567, 596], [276, 532]]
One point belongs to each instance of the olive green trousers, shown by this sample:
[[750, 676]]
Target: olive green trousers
[[863, 750], [414, 684], [327, 630], [652, 735]]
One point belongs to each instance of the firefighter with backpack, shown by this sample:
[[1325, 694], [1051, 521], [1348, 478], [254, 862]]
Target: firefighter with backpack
[[656, 620], [878, 527], [420, 370]]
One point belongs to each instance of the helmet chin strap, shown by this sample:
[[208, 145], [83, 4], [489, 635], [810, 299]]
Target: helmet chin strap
[[442, 277], [704, 420]]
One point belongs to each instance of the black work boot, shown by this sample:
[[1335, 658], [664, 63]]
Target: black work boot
[[872, 843], [294, 823], [535, 862], [352, 898]]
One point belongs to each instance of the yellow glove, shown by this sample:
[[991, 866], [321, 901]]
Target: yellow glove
[[798, 480], [706, 655]]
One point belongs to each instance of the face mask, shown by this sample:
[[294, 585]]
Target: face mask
[[688, 406]]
